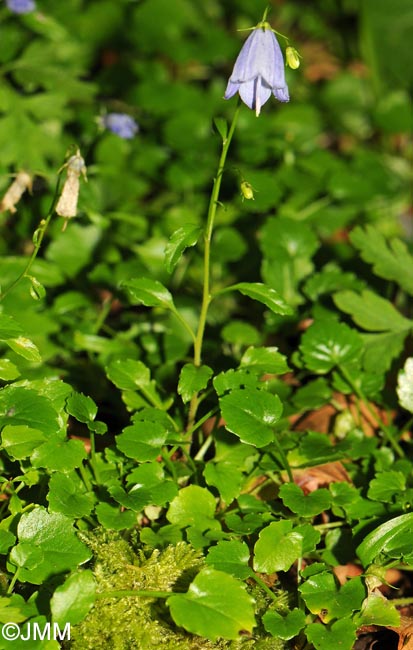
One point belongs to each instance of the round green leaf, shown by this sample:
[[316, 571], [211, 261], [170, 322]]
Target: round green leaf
[[67, 495], [142, 440], [47, 546], [327, 344], [341, 634], [251, 415], [231, 557], [19, 441], [73, 599], [277, 548], [216, 605], [59, 455], [304, 505], [194, 506], [284, 627]]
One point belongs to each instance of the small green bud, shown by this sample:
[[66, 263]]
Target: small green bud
[[247, 191], [293, 58]]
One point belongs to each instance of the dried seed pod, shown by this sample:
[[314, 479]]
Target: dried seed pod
[[21, 183], [67, 204]]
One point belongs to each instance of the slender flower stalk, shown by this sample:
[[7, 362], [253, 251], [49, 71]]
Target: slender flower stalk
[[206, 293]]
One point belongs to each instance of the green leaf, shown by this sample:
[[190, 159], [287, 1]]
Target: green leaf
[[231, 557], [405, 385], [19, 441], [9, 327], [277, 548], [221, 126], [377, 610], [150, 478], [142, 440], [323, 597], [327, 344], [181, 239], [216, 605], [128, 374], [390, 259], [239, 333], [148, 292], [284, 627], [114, 517], [226, 477], [59, 455], [67, 494], [303, 505], [194, 506], [232, 379], [264, 360], [72, 249], [74, 598], [82, 408], [24, 406], [341, 634], [193, 379], [386, 486], [371, 312], [262, 293], [47, 546], [251, 415], [8, 370], [312, 395], [381, 349], [392, 539], [25, 348]]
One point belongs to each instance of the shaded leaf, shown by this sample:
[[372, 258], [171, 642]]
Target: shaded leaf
[[216, 605], [251, 415]]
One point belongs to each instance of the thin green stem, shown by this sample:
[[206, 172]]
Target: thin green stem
[[85, 478], [284, 459], [263, 586], [206, 292], [138, 593], [386, 430], [38, 237], [185, 324], [13, 582]]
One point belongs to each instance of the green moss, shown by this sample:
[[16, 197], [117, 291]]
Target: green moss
[[144, 623]]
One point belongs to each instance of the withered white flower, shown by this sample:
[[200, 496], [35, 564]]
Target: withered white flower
[[67, 204], [21, 183]]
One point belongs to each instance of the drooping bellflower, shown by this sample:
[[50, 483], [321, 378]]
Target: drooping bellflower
[[123, 125], [259, 70], [21, 6]]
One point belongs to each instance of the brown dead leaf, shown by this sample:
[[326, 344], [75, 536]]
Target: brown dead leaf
[[310, 479]]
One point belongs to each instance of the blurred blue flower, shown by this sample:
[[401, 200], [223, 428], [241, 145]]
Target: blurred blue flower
[[21, 6], [123, 125], [259, 70]]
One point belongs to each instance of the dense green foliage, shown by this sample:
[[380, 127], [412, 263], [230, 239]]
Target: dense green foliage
[[193, 440]]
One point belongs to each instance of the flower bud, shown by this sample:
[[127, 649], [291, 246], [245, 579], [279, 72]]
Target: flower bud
[[247, 191], [21, 183], [293, 58], [67, 204]]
